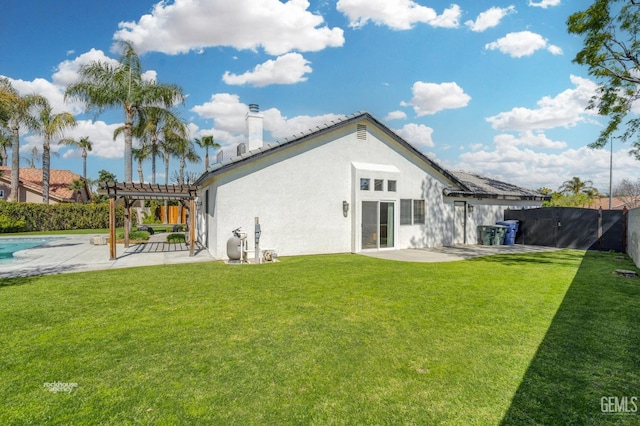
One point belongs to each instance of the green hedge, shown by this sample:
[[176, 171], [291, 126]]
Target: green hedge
[[55, 217]]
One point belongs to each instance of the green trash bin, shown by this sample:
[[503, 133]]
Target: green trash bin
[[498, 235], [486, 234]]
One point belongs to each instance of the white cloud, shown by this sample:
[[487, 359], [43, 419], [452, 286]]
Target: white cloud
[[286, 69], [68, 71], [282, 127], [430, 98], [229, 125], [544, 3], [99, 133], [53, 93], [564, 110], [523, 43], [396, 115], [489, 18], [397, 14], [417, 135], [185, 25], [531, 169], [528, 138]]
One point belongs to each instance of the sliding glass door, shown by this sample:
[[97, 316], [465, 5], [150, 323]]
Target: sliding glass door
[[378, 229]]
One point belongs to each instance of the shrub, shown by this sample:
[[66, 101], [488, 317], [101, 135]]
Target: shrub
[[133, 235], [8, 224], [176, 238], [55, 217]]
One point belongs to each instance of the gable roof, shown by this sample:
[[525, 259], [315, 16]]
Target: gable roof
[[59, 181], [462, 183], [270, 148], [484, 187]]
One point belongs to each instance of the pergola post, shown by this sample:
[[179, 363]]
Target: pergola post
[[192, 227], [112, 228]]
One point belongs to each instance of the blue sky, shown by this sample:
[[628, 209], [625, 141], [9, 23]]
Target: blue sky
[[483, 86]]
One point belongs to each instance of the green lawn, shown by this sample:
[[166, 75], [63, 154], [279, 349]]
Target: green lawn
[[340, 339]]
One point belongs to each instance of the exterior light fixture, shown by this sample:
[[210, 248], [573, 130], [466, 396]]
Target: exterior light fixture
[[345, 208], [470, 208]]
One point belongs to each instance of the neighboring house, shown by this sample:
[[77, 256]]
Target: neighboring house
[[351, 186], [30, 187]]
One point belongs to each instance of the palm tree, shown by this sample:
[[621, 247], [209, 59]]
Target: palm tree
[[575, 186], [5, 142], [83, 144], [151, 125], [207, 142], [51, 126], [77, 186], [16, 110], [185, 150], [34, 158], [103, 86], [141, 154]]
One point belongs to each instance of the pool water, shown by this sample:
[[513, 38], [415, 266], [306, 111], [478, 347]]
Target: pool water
[[8, 246]]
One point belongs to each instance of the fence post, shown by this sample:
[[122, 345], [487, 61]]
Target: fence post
[[624, 229], [600, 229]]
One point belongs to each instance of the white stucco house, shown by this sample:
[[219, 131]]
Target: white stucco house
[[350, 186]]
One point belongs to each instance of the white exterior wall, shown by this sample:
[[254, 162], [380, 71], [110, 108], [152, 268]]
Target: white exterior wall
[[298, 194], [633, 235], [488, 212]]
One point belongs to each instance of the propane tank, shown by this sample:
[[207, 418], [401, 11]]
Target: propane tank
[[234, 248]]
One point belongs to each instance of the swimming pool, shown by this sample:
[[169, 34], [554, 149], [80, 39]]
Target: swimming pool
[[8, 246]]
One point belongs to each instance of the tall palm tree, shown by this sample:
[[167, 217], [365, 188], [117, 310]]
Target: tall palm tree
[[103, 86], [207, 142], [141, 154], [16, 110], [34, 158], [185, 151], [575, 186], [84, 144], [51, 126], [150, 127]]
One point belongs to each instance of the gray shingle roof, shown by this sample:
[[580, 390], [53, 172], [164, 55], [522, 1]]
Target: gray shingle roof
[[486, 187]]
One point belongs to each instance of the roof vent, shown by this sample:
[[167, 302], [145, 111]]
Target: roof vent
[[361, 132], [241, 149], [219, 157]]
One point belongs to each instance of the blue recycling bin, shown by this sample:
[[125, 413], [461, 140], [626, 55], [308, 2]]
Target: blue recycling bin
[[512, 230]]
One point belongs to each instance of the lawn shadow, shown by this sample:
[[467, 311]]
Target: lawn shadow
[[589, 359]]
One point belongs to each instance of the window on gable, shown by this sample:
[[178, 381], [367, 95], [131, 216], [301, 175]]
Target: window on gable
[[391, 185], [364, 184], [378, 185]]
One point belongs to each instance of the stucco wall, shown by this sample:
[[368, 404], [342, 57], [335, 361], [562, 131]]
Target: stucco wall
[[298, 195], [633, 235]]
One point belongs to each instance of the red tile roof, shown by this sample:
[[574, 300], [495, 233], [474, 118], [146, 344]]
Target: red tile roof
[[59, 181]]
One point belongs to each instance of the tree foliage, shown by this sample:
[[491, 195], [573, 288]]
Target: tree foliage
[[104, 86], [611, 51]]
